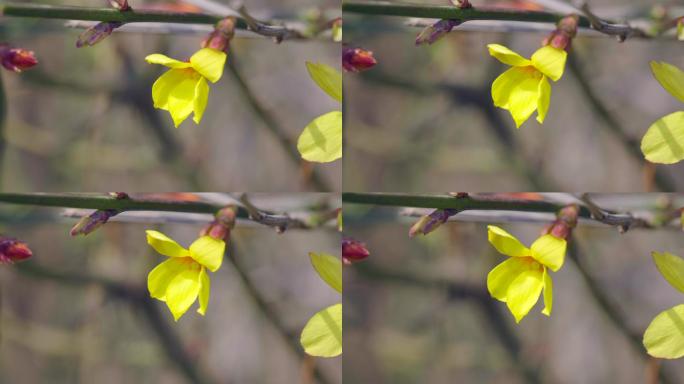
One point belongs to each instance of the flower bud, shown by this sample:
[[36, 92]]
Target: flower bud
[[16, 59], [220, 37], [436, 31], [429, 223], [565, 31], [90, 223], [565, 222], [12, 250], [121, 5], [353, 251], [97, 33], [357, 59], [223, 223]]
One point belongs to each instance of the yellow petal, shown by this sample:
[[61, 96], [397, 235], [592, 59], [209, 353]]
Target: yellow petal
[[321, 140], [182, 291], [161, 89], [165, 245], [671, 267], [159, 278], [201, 98], [205, 288], [664, 337], [166, 61], [548, 293], [322, 335], [208, 251], [663, 143], [501, 277], [209, 63], [506, 243], [517, 90], [549, 251], [507, 56], [550, 61], [329, 268], [524, 293], [670, 77], [182, 99], [544, 99]]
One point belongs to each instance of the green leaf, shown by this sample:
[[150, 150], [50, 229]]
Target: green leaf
[[664, 141], [670, 77], [329, 268], [321, 140], [664, 337], [671, 267], [322, 335], [328, 78]]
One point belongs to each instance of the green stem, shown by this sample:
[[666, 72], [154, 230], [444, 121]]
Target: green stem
[[452, 12], [96, 201], [107, 14], [453, 202], [3, 122]]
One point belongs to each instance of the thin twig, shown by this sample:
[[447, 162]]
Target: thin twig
[[133, 16], [621, 31], [280, 222], [623, 221]]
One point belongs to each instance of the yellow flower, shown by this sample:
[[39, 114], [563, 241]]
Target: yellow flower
[[525, 88], [179, 280], [183, 89], [519, 281]]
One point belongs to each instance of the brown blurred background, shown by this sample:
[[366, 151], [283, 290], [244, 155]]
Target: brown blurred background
[[418, 310], [423, 119], [79, 311], [83, 118]]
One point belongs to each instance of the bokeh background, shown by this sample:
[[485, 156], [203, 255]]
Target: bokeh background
[[83, 118], [79, 311], [422, 119], [418, 310]]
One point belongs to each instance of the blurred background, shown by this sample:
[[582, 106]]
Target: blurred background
[[79, 310], [422, 119], [83, 118], [418, 310]]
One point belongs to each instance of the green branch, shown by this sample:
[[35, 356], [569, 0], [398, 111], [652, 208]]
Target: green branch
[[107, 14], [452, 12], [453, 202]]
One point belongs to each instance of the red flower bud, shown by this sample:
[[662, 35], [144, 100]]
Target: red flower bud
[[16, 59], [357, 59], [565, 222], [220, 37], [12, 250], [222, 225], [353, 251], [562, 36]]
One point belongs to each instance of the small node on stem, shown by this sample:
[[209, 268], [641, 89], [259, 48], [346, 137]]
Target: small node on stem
[[429, 223]]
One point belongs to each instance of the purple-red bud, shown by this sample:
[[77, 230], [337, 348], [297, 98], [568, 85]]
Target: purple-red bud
[[353, 251], [357, 59], [436, 31], [221, 36], [223, 223], [97, 33], [429, 223], [566, 221], [13, 250], [565, 31], [90, 223], [121, 5], [16, 59]]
